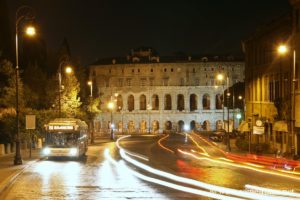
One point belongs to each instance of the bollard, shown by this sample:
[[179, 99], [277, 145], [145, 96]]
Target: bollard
[[2, 149], [7, 148]]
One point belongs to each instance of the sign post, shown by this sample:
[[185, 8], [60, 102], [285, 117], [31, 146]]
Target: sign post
[[30, 125]]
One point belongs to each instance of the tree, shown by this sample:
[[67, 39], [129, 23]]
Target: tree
[[8, 91], [70, 101]]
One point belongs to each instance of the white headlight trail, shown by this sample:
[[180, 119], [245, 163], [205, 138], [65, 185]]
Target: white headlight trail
[[219, 189], [168, 184], [129, 152]]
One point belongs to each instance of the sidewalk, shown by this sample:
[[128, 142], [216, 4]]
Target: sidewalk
[[9, 172]]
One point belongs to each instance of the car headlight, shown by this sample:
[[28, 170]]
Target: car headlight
[[73, 151], [46, 151]]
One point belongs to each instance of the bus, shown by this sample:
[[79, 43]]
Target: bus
[[66, 137]]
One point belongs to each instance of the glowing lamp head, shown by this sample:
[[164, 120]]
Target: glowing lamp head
[[238, 116], [30, 31], [220, 77], [110, 105], [240, 97], [282, 49], [89, 83], [68, 70]]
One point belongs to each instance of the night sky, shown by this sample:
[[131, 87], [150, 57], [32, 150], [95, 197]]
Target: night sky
[[107, 28]]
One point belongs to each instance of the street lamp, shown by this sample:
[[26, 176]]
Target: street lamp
[[110, 106], [220, 77], [68, 70], [30, 31], [90, 83], [282, 50]]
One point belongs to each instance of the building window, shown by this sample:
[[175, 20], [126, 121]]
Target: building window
[[120, 83], [132, 70], [172, 69], [128, 82], [143, 82], [143, 102], [212, 69], [155, 102], [139, 70], [151, 70], [168, 102], [151, 82], [206, 102], [193, 102], [182, 82], [165, 81], [109, 71], [119, 103], [218, 102], [197, 81], [180, 102], [130, 103], [194, 70], [165, 70]]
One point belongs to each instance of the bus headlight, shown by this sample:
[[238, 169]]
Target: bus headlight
[[73, 151], [46, 151]]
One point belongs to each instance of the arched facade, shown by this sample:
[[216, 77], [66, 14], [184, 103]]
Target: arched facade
[[154, 93], [180, 126]]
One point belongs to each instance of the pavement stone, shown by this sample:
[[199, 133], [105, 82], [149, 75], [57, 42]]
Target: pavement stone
[[9, 172]]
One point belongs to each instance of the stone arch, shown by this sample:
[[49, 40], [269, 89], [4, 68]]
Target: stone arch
[[219, 101], [155, 126], [180, 125], [193, 125], [180, 102], [143, 102], [131, 127], [155, 102], [219, 125], [206, 125], [143, 126], [130, 103], [119, 103], [206, 102], [193, 102], [168, 125], [168, 102]]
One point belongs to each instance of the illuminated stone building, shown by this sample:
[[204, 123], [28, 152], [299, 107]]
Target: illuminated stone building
[[165, 92], [269, 85]]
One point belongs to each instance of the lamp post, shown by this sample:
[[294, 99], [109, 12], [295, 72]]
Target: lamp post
[[220, 77], [282, 50], [90, 83], [111, 107], [68, 70], [30, 31]]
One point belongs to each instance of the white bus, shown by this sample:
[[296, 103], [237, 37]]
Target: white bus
[[66, 137]]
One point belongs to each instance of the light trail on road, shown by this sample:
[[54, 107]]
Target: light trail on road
[[167, 184], [206, 186]]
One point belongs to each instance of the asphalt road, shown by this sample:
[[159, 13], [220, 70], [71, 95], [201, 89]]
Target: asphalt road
[[98, 178]]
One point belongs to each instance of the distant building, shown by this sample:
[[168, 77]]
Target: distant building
[[269, 84], [163, 92]]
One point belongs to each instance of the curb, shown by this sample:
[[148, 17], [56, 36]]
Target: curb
[[11, 179]]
